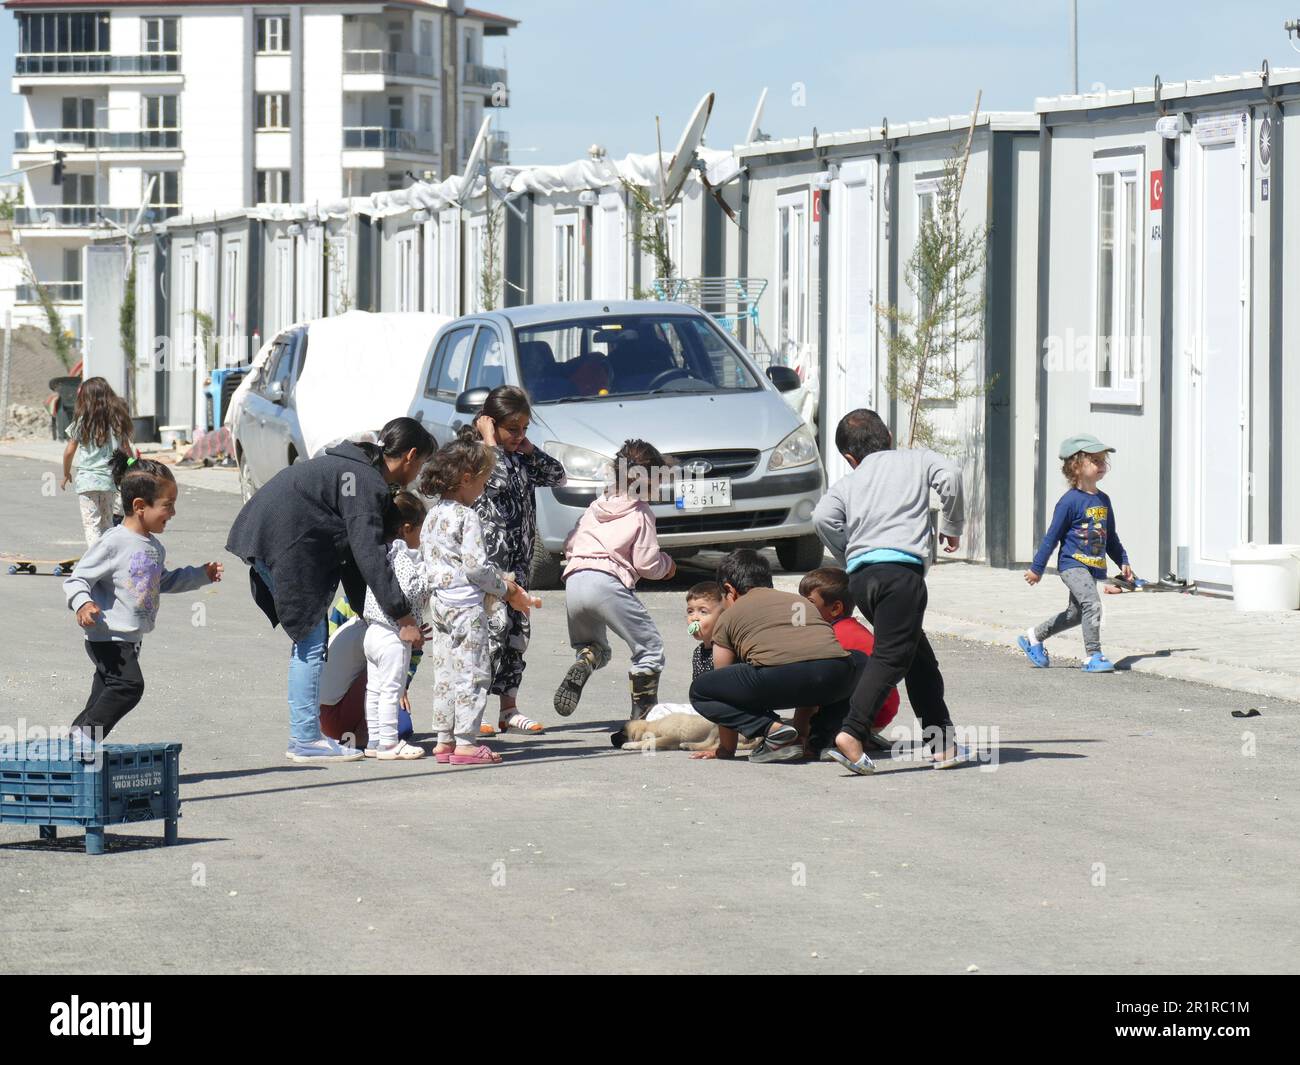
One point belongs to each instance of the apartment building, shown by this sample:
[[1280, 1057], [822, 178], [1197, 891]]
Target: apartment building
[[137, 109]]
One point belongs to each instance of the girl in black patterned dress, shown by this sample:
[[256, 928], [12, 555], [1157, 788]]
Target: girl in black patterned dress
[[507, 510]]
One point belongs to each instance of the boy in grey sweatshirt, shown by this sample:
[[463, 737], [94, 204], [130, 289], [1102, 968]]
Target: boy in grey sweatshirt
[[876, 522], [114, 591]]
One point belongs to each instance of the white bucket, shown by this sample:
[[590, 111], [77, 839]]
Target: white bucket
[[171, 435], [1266, 576]]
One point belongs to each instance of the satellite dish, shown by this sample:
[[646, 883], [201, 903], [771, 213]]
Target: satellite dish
[[754, 132], [684, 157], [475, 159]]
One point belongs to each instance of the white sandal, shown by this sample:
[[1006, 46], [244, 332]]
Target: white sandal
[[402, 751], [520, 723]]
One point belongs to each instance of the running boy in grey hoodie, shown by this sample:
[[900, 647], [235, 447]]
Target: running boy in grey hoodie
[[876, 522]]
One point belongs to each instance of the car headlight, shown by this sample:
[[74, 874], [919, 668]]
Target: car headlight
[[579, 463], [797, 449]]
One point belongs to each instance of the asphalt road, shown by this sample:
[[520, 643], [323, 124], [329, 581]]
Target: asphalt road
[[1124, 824]]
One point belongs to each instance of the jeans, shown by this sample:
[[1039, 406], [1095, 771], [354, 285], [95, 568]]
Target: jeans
[[892, 596], [306, 660], [748, 698]]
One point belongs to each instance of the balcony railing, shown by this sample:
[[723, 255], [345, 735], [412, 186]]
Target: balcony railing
[[397, 64], [58, 292], [78, 215], [96, 63], [102, 139], [381, 139], [486, 77]]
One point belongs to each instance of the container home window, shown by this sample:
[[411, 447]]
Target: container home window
[[941, 384], [273, 34], [272, 110], [1118, 345], [792, 274]]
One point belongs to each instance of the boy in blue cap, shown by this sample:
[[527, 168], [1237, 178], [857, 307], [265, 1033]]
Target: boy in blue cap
[[1084, 527]]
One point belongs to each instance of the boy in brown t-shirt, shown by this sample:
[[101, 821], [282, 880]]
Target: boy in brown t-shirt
[[771, 650]]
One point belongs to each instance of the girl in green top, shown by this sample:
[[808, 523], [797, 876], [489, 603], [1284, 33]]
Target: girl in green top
[[101, 425]]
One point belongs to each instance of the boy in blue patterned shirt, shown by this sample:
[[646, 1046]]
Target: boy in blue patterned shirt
[[1084, 527]]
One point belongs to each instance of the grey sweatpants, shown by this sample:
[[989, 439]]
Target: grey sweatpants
[[597, 602], [1085, 606]]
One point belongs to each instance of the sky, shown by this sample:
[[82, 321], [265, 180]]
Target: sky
[[599, 71]]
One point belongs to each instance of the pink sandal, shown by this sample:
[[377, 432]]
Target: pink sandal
[[482, 755]]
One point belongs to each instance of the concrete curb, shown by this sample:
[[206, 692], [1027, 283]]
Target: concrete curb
[[1196, 670], [212, 478]]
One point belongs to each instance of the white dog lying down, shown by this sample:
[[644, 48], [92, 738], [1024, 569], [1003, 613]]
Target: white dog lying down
[[676, 732]]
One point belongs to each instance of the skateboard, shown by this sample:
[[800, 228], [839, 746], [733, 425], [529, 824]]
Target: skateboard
[[62, 566]]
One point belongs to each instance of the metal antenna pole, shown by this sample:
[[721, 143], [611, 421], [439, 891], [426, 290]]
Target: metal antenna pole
[[1074, 46]]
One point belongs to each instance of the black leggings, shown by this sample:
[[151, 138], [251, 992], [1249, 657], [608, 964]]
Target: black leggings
[[892, 596], [747, 698], [117, 689]]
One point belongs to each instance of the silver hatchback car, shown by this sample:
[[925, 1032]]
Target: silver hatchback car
[[600, 373]]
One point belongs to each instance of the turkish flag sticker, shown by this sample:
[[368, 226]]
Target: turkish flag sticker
[[1157, 190]]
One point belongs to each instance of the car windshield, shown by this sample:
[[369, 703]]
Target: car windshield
[[627, 355]]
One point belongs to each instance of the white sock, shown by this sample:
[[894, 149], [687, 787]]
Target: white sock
[[1032, 635]]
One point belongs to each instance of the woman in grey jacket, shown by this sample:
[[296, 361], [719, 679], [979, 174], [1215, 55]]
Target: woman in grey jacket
[[313, 525]]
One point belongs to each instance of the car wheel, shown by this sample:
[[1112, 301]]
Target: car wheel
[[245, 478], [800, 554], [544, 573]]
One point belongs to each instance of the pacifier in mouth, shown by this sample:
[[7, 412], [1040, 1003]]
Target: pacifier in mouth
[[693, 628]]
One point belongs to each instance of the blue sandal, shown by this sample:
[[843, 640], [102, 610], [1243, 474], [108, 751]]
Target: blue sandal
[[1098, 663], [1035, 652]]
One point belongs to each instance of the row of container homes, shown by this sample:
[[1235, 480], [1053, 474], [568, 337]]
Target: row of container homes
[[1129, 249]]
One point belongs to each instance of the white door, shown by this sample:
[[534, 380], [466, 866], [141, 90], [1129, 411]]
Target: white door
[[477, 297], [310, 249], [180, 376], [432, 265], [449, 262], [407, 295], [1218, 363], [851, 360], [565, 267], [609, 248]]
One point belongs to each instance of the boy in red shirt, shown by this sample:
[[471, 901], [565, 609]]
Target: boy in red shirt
[[828, 590]]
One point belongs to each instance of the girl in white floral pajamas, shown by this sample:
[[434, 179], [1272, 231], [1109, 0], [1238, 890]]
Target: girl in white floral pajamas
[[468, 614]]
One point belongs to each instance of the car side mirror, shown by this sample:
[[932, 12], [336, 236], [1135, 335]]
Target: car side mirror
[[471, 401], [785, 379], [275, 391]]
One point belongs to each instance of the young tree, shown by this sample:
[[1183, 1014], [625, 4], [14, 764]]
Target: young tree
[[932, 349]]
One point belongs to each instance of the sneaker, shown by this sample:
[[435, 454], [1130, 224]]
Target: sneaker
[[780, 745], [1098, 663], [570, 689], [1035, 652], [322, 750]]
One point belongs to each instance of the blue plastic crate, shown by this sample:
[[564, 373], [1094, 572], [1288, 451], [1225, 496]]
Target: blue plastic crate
[[47, 784]]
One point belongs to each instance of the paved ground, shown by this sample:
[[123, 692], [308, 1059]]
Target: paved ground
[[1129, 824]]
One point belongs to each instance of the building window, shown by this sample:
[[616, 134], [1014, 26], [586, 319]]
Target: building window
[[78, 189], [46, 33], [273, 186], [78, 112], [1118, 348], [426, 38], [72, 264], [160, 35], [165, 193], [471, 48], [273, 33], [272, 110], [160, 112]]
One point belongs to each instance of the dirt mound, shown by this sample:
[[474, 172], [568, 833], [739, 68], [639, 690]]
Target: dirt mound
[[27, 423], [34, 363]]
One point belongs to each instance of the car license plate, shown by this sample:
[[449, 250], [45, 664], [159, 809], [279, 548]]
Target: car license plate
[[703, 493]]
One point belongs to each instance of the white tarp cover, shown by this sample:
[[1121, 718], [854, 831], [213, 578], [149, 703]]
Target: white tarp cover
[[362, 370]]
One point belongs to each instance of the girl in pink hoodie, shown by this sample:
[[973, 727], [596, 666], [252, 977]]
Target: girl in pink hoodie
[[611, 548]]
